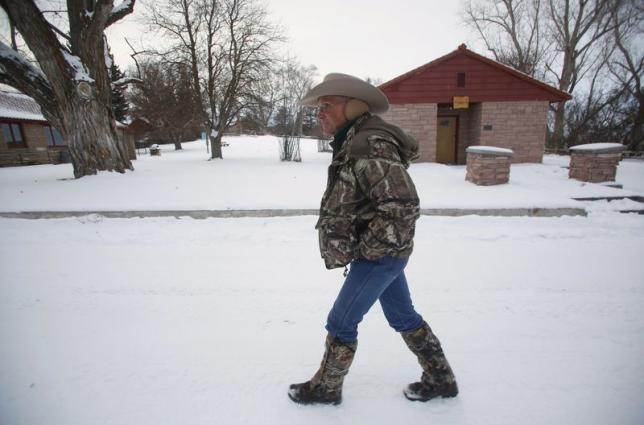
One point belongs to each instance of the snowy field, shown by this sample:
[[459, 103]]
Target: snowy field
[[252, 177], [179, 321]]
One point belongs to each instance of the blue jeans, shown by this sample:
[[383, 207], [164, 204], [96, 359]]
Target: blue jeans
[[367, 282]]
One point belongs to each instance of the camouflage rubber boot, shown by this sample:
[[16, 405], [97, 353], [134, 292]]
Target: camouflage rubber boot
[[326, 385], [437, 379]]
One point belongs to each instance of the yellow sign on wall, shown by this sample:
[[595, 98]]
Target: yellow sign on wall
[[461, 102]]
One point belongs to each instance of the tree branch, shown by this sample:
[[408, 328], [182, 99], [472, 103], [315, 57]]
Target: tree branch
[[40, 38], [119, 12], [21, 74], [125, 81]]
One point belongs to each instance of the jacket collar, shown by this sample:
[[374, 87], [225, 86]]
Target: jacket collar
[[346, 133]]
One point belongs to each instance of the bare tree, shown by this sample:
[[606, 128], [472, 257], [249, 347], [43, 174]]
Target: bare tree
[[70, 81], [579, 26], [239, 63], [565, 42], [374, 81], [588, 123], [180, 22], [165, 99], [134, 55], [296, 80], [228, 44], [627, 67], [264, 99], [594, 116], [512, 30], [612, 110]]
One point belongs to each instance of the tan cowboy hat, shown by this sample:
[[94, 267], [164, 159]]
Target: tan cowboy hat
[[337, 84]]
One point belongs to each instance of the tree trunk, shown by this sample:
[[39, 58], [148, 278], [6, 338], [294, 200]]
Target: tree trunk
[[92, 140], [636, 142], [71, 84], [215, 146], [215, 141], [93, 127], [177, 146], [556, 142]]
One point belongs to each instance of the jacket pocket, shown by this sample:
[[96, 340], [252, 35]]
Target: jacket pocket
[[338, 241]]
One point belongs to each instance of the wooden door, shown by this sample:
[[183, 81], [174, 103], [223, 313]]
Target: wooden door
[[446, 140]]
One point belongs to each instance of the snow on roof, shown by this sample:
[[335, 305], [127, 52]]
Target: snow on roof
[[19, 106]]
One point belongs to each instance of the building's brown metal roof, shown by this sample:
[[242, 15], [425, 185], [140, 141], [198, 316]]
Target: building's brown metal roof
[[554, 94]]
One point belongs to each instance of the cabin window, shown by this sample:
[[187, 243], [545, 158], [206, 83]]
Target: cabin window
[[12, 133], [460, 79], [53, 136]]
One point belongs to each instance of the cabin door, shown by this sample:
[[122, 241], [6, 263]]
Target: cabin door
[[446, 140]]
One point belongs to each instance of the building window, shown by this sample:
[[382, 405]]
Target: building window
[[12, 133], [460, 79], [53, 136]]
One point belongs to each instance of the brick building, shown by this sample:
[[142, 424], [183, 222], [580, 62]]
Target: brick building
[[25, 136], [464, 99]]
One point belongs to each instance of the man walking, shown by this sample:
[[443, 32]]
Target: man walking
[[367, 221]]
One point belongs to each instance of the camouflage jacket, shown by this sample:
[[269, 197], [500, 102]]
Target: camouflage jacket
[[370, 205]]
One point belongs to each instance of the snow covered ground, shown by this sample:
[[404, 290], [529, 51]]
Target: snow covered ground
[[167, 321], [181, 321], [252, 177]]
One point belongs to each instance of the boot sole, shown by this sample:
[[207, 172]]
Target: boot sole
[[431, 398], [308, 402]]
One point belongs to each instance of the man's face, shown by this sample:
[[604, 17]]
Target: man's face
[[331, 113]]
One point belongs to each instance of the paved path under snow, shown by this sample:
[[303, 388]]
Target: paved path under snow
[[200, 214]]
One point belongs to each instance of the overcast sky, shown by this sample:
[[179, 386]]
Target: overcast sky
[[367, 38]]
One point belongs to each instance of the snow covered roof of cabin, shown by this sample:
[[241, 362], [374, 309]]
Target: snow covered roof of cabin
[[18, 106]]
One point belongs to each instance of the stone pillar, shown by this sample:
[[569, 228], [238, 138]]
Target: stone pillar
[[595, 162], [487, 165]]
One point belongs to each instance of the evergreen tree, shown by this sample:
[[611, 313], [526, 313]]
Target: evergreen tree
[[120, 106]]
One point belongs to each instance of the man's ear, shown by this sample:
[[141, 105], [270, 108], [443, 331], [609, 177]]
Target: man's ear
[[354, 108]]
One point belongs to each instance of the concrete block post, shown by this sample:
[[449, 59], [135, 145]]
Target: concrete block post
[[595, 162], [488, 165]]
